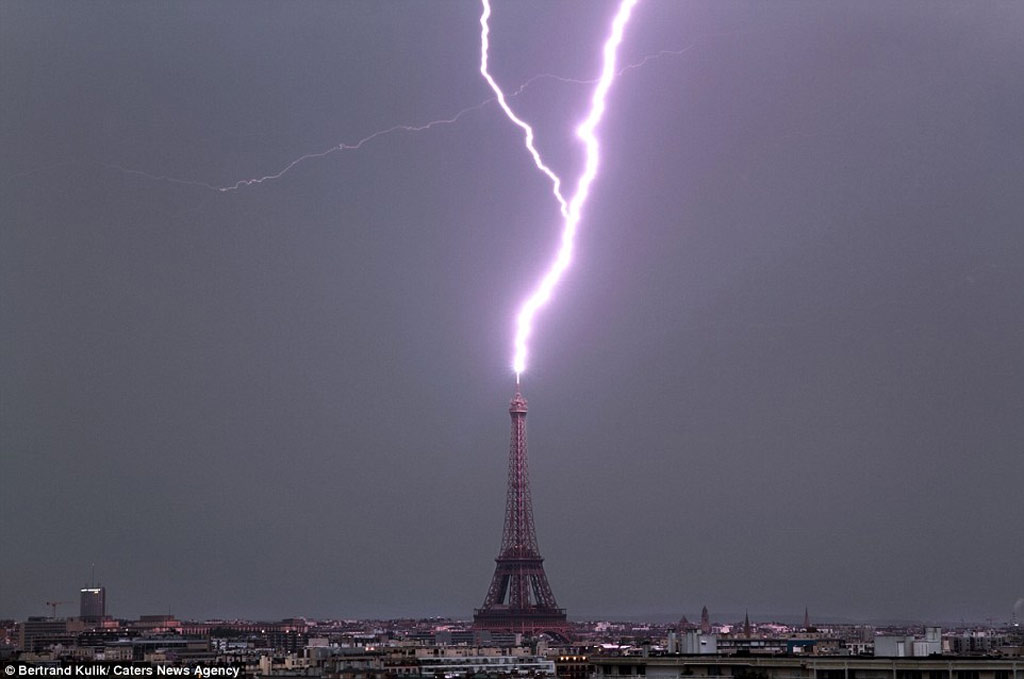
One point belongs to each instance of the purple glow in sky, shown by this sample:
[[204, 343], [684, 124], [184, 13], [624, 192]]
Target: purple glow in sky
[[571, 211]]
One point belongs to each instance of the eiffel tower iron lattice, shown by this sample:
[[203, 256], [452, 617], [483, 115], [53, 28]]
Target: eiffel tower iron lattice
[[520, 598]]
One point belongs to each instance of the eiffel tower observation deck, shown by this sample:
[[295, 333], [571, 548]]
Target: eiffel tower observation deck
[[520, 598]]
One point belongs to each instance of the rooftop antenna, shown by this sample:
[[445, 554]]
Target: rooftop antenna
[[53, 606]]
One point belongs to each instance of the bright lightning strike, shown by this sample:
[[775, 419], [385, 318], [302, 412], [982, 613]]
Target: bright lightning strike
[[573, 208], [485, 44]]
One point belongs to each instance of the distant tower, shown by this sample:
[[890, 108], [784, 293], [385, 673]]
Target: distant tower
[[807, 619], [94, 603], [705, 621], [519, 598], [746, 624]]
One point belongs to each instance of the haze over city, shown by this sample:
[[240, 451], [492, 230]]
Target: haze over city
[[783, 371]]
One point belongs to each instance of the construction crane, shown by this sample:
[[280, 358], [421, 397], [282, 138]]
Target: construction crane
[[53, 606]]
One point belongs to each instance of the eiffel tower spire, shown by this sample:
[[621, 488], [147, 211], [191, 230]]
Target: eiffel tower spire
[[519, 598]]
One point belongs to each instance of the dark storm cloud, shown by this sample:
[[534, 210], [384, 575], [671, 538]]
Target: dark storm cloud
[[785, 369]]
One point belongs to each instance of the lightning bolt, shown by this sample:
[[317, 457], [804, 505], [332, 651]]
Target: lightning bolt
[[572, 209], [485, 45], [356, 145]]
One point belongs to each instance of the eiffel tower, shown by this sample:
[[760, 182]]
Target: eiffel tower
[[519, 598]]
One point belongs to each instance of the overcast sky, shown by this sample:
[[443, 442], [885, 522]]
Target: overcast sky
[[785, 369]]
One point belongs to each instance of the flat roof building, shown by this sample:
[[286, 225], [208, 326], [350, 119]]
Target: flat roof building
[[94, 604]]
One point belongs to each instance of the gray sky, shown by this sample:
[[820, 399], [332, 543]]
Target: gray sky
[[785, 369]]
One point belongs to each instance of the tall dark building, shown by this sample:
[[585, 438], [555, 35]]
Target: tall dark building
[[94, 603], [520, 598]]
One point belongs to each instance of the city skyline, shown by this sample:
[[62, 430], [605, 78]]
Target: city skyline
[[784, 370], [79, 610]]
